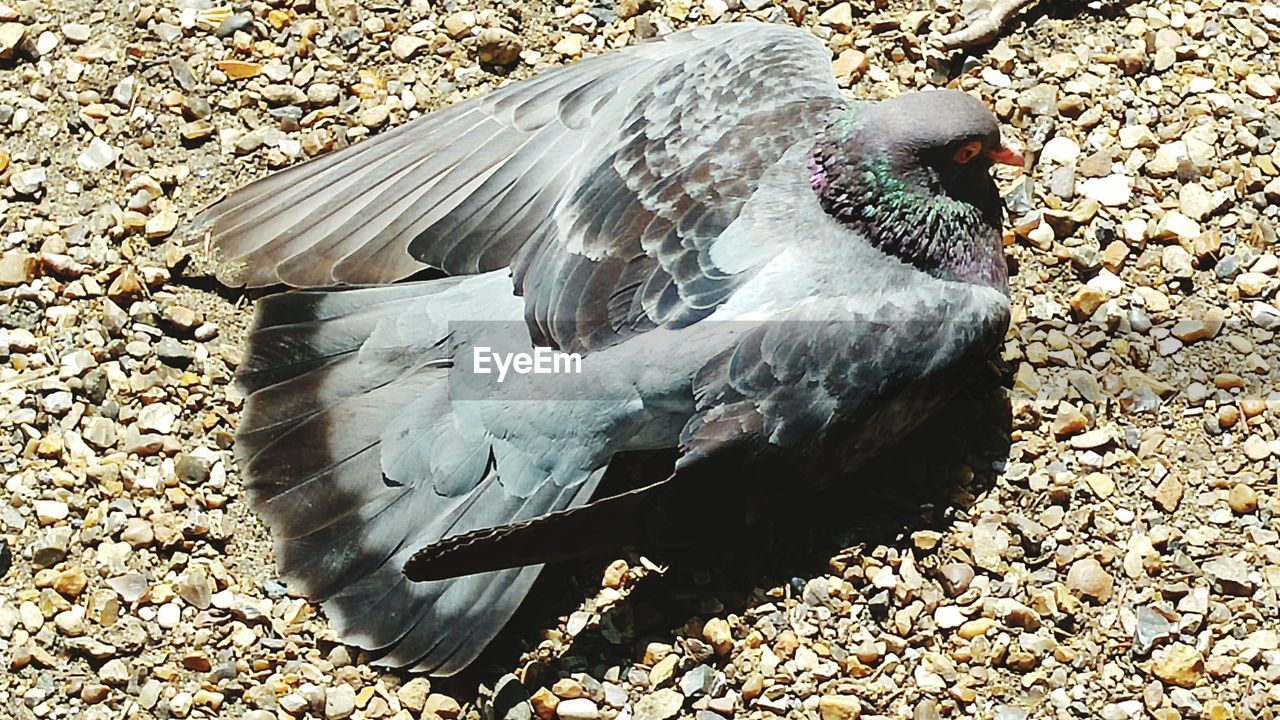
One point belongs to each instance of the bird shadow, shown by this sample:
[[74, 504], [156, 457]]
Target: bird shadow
[[924, 482]]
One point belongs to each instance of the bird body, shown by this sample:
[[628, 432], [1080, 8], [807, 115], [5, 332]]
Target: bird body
[[772, 281]]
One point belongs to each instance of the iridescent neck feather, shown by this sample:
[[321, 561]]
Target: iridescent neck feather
[[947, 228]]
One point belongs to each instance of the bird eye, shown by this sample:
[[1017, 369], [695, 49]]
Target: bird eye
[[967, 152]]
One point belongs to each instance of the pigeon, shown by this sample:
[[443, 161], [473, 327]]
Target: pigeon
[[737, 265]]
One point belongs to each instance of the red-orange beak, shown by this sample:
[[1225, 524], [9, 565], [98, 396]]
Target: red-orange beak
[[1005, 156]]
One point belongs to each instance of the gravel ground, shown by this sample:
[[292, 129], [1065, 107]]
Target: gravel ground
[[1092, 533]]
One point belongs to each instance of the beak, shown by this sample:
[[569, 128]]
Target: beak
[[1004, 156]]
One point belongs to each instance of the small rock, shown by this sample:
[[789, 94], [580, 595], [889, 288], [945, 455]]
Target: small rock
[[374, 116], [717, 633], [1242, 499], [1111, 191], [570, 45], [663, 671], [1256, 85], [161, 225], [544, 703], [12, 35], [97, 157], [459, 24], [1195, 202], [76, 32], [404, 47], [660, 705], [93, 693], [949, 616], [339, 702], [956, 578], [180, 704], [442, 705], [1231, 575], [115, 672], [1069, 421], [577, 709], [1255, 448], [838, 17], [1176, 225], [500, 47], [839, 707], [850, 64], [137, 532], [28, 182], [71, 581], [1060, 150], [131, 586], [1152, 628], [1088, 578], [168, 616], [17, 268], [49, 512], [1180, 665]]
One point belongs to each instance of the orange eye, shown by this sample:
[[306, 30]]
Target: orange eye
[[967, 152]]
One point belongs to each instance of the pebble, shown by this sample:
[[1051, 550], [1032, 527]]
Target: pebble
[[115, 672], [1110, 191], [28, 182], [1060, 150], [949, 616], [374, 116], [1088, 578], [659, 705], [838, 17], [404, 47], [97, 157], [339, 702], [459, 24], [956, 578], [570, 45], [168, 616], [718, 634], [1242, 499], [17, 268], [500, 47], [49, 512], [839, 707], [12, 36], [442, 705], [1180, 665], [180, 704], [850, 64], [577, 709]]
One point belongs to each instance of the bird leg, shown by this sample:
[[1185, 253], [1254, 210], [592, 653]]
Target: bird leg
[[985, 30]]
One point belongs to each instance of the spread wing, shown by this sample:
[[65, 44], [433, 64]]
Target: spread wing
[[603, 183]]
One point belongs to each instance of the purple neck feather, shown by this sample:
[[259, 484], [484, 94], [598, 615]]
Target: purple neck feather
[[907, 213]]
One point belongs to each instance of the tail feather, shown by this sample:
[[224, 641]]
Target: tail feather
[[613, 521], [354, 458]]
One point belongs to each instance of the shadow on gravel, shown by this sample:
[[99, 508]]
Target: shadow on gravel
[[924, 482]]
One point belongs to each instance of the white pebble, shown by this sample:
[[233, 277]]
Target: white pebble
[[97, 157], [50, 511], [168, 615], [1061, 150], [1112, 191]]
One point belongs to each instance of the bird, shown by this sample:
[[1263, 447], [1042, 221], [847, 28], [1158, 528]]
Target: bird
[[749, 270]]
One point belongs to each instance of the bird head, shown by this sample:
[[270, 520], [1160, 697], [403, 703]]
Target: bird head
[[943, 139], [913, 175]]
